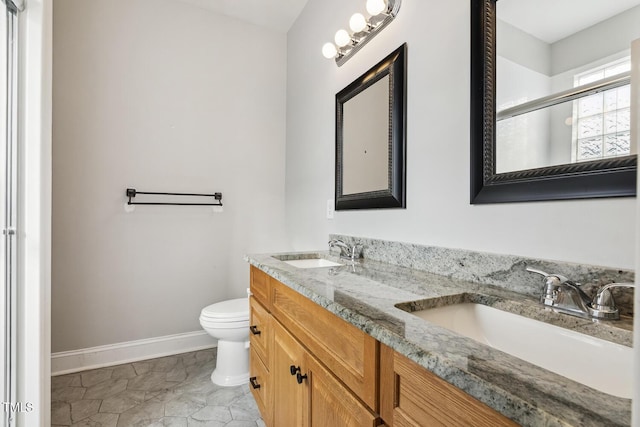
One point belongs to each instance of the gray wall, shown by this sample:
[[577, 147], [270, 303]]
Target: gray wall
[[438, 212], [522, 48], [618, 31], [161, 96]]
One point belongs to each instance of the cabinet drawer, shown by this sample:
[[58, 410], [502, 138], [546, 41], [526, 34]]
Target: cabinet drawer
[[260, 330], [260, 386], [348, 352], [260, 283]]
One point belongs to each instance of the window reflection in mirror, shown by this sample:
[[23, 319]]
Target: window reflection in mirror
[[548, 48]]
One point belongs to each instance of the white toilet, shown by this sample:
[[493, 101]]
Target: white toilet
[[228, 322]]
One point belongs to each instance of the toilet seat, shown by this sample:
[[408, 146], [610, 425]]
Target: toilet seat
[[234, 310], [223, 324]]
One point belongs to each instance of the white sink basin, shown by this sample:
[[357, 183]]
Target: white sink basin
[[312, 263], [600, 364]]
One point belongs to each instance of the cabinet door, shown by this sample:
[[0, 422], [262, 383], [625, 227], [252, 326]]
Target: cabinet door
[[413, 396], [290, 397], [345, 350], [331, 403]]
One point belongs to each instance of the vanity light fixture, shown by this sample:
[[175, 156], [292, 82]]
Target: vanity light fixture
[[342, 38], [358, 23], [376, 7], [381, 12]]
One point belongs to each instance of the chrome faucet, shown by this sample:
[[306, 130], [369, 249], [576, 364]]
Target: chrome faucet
[[566, 296], [346, 251], [563, 295]]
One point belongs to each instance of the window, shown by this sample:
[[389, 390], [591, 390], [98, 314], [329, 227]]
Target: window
[[602, 122]]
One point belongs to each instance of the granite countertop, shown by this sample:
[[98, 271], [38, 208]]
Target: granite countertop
[[365, 294]]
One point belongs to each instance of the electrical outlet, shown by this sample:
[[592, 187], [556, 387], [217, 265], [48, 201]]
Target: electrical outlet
[[331, 209]]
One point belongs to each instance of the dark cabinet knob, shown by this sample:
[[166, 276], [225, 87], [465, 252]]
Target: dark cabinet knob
[[294, 369], [254, 330], [300, 377], [254, 382]]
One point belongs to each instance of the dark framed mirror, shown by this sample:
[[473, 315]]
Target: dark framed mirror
[[588, 150], [371, 137]]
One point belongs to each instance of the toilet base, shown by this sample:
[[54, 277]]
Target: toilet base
[[232, 364], [229, 380]]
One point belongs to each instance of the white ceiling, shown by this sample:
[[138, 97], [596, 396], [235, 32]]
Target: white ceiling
[[548, 20], [553, 20], [275, 14]]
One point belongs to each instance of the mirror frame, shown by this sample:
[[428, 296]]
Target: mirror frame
[[614, 177], [394, 66]]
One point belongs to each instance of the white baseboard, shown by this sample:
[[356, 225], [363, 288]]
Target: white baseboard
[[66, 362]]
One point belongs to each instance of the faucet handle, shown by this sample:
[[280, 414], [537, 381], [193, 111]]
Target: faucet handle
[[561, 278], [540, 272], [603, 300], [603, 304]]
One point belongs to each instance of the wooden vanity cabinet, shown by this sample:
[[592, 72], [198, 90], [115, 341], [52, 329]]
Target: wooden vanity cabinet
[[410, 395], [297, 389], [346, 378]]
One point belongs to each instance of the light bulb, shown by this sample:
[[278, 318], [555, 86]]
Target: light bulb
[[357, 23], [376, 7], [342, 38], [329, 50]]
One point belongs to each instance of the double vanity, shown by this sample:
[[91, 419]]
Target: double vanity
[[423, 335]]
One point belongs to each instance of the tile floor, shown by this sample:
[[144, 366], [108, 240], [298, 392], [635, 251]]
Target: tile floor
[[169, 391]]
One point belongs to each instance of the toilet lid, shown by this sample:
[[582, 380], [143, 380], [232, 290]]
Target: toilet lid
[[230, 310]]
